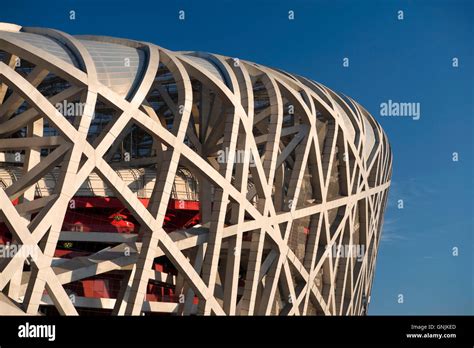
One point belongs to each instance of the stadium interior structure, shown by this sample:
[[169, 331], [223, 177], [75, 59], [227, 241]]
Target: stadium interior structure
[[111, 178]]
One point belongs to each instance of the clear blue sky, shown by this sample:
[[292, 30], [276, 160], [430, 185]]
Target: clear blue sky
[[405, 61]]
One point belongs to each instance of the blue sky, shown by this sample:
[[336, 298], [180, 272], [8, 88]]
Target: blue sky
[[405, 61]]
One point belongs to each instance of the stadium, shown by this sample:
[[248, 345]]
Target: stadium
[[143, 181]]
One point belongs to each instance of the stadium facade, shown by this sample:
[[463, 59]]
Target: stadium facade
[[136, 180]]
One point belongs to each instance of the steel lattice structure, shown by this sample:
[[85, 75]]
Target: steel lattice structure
[[315, 178]]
